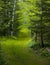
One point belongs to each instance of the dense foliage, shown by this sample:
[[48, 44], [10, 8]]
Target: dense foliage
[[33, 15]]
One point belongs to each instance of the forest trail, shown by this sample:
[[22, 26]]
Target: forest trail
[[18, 53], [48, 49]]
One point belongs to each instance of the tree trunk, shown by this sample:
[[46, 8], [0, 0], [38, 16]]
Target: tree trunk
[[13, 14], [35, 36], [42, 42], [41, 32]]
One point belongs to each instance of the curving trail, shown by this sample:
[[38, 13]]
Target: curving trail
[[17, 52]]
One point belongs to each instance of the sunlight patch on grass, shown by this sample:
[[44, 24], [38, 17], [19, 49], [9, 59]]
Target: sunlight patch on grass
[[17, 52]]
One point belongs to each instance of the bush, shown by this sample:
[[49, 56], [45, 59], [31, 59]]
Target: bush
[[41, 51]]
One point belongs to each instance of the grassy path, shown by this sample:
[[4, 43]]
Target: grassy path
[[17, 52]]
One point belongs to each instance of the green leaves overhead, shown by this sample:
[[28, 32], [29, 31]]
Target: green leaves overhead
[[17, 14]]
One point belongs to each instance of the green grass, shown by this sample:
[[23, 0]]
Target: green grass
[[17, 52]]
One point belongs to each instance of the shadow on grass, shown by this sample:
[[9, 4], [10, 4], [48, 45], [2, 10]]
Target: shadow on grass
[[43, 52], [37, 45]]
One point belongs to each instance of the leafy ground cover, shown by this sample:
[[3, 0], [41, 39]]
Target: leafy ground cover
[[17, 52]]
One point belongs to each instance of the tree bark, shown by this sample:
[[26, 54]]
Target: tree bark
[[13, 14], [41, 32]]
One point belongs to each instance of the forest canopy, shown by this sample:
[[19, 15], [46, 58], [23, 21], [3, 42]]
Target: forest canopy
[[17, 16]]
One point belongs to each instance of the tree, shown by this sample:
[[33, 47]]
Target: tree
[[8, 17], [40, 18]]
